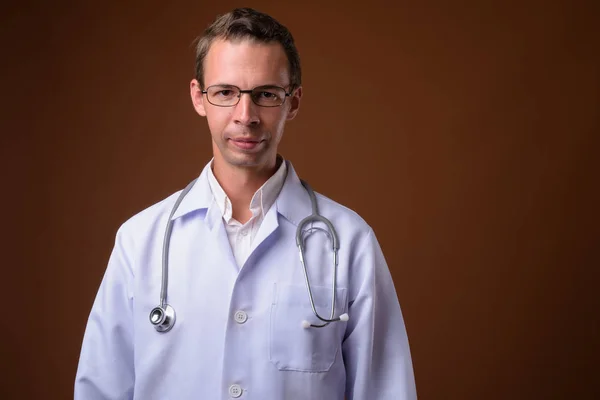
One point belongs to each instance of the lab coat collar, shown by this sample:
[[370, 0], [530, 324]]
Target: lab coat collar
[[198, 198], [293, 201]]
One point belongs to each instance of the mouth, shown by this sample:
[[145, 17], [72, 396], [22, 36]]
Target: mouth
[[246, 144]]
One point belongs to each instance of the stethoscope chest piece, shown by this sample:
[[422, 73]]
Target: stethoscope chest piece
[[163, 318]]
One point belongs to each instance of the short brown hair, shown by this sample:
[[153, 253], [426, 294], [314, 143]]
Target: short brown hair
[[247, 23]]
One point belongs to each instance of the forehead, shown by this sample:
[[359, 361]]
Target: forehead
[[246, 64]]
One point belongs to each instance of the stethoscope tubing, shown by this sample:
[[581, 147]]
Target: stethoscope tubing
[[163, 316]]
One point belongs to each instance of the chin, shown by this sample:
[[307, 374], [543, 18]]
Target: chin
[[244, 160]]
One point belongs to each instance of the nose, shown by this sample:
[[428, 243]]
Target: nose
[[246, 112]]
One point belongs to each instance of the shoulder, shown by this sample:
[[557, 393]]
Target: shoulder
[[149, 219], [342, 216]]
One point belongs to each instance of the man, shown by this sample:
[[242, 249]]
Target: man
[[244, 325]]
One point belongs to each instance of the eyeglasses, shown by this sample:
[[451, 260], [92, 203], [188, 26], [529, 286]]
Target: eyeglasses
[[229, 95]]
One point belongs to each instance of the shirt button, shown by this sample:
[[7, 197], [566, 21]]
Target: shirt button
[[235, 391], [240, 317], [244, 232]]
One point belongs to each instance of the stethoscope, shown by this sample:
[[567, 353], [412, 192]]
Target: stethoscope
[[163, 316]]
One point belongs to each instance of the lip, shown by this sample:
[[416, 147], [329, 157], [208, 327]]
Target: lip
[[246, 144]]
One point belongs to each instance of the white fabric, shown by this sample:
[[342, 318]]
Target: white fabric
[[238, 331]]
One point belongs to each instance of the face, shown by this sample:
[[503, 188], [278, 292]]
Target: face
[[245, 135]]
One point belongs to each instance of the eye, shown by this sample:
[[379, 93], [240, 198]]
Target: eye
[[267, 95], [224, 93]]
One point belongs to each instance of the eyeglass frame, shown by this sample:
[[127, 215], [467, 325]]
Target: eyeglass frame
[[249, 91]]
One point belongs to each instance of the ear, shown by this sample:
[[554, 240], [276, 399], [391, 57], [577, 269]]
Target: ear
[[295, 103], [197, 97]]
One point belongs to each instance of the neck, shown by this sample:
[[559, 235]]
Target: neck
[[240, 184]]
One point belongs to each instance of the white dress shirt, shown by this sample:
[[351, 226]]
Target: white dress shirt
[[238, 333], [241, 235]]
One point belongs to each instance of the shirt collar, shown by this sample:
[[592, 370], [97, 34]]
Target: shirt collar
[[292, 202], [263, 198]]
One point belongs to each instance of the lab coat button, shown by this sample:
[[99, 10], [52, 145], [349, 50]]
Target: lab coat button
[[235, 391], [240, 317]]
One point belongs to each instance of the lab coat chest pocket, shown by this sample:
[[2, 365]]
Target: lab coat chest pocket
[[294, 348]]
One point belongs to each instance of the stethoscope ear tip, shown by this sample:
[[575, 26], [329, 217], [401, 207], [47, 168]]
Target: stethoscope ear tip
[[344, 317], [305, 324]]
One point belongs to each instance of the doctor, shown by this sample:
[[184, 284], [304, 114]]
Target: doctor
[[244, 326]]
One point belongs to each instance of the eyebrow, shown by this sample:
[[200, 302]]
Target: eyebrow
[[222, 84], [259, 86]]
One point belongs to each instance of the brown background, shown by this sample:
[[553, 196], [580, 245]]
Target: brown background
[[465, 134]]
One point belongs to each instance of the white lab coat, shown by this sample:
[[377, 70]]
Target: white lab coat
[[270, 356]]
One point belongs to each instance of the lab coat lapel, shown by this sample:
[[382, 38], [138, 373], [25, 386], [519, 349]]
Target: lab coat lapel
[[292, 202]]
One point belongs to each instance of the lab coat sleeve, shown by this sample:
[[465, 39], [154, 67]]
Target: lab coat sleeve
[[375, 347], [105, 370]]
